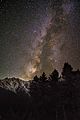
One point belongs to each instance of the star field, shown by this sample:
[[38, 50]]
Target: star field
[[37, 36]]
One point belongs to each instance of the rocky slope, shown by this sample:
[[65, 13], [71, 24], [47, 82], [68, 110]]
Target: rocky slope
[[15, 85]]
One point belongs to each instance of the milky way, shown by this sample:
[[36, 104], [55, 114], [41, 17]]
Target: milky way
[[38, 36]]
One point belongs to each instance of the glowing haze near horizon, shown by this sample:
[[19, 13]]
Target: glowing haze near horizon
[[37, 36]]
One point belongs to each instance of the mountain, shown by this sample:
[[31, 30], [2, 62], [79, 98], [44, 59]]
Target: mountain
[[14, 99], [15, 85]]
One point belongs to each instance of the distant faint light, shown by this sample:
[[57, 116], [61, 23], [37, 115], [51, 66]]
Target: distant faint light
[[55, 60], [34, 31]]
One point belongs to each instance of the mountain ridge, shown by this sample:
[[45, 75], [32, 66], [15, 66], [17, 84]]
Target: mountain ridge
[[15, 85]]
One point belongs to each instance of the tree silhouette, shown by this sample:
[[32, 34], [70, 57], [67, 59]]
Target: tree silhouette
[[54, 76], [36, 78], [67, 70], [43, 77]]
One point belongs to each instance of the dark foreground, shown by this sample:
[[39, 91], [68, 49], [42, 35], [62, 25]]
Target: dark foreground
[[53, 98]]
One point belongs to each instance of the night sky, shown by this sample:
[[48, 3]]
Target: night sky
[[37, 36]]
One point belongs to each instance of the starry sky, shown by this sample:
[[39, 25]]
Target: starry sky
[[37, 36]]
